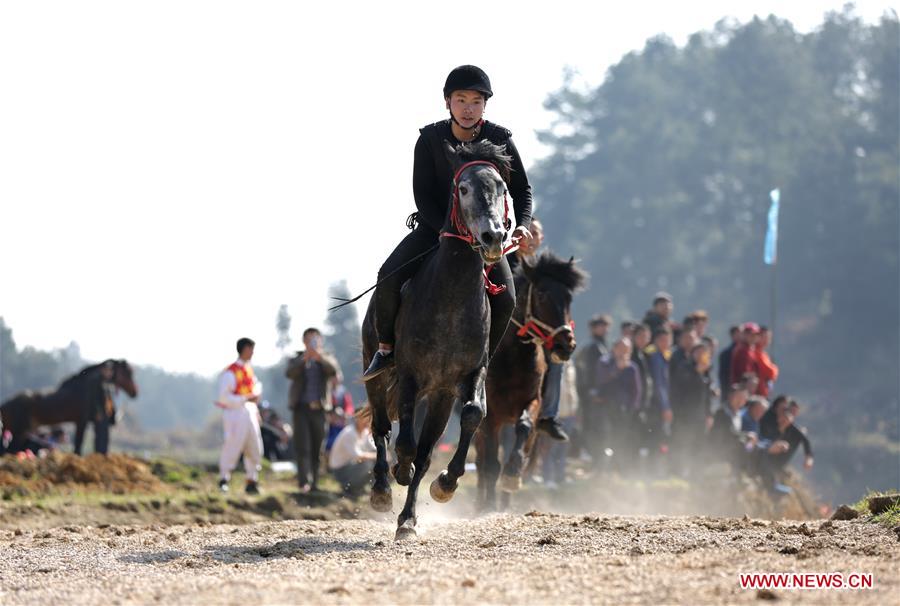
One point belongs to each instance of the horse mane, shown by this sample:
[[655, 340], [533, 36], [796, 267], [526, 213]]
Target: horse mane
[[83, 374], [548, 265], [486, 151]]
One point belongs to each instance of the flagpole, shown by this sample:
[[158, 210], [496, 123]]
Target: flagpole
[[770, 256], [774, 307]]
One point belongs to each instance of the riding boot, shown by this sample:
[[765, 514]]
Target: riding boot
[[381, 361]]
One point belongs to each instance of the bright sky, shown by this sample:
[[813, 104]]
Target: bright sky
[[173, 171]]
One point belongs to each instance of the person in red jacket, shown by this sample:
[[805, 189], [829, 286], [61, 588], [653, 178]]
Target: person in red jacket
[[746, 356], [767, 370]]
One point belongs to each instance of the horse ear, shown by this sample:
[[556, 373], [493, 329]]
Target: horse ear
[[572, 260], [452, 155]]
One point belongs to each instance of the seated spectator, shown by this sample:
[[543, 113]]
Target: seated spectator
[[352, 457], [768, 423], [276, 434], [752, 413], [775, 453]]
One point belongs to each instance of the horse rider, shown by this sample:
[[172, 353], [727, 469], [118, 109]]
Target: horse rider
[[466, 92], [239, 393]]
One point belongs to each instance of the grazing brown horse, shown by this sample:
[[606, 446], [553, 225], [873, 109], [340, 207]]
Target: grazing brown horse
[[80, 399], [541, 331]]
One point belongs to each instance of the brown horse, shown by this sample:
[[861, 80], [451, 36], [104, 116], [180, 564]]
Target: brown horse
[[82, 398], [541, 331]]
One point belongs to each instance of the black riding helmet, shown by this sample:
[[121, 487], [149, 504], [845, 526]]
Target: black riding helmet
[[468, 77]]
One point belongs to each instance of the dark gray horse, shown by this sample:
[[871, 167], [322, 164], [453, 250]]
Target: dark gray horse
[[542, 331], [442, 333]]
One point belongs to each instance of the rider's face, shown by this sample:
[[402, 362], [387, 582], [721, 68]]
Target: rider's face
[[467, 106]]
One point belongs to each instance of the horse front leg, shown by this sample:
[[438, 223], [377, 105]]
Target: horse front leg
[[470, 417], [512, 471], [381, 499], [432, 429], [406, 437], [79, 436]]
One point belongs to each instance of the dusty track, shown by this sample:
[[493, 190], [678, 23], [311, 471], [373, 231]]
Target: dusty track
[[532, 558]]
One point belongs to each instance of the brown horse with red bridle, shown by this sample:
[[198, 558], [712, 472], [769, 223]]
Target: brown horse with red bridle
[[83, 398], [541, 331]]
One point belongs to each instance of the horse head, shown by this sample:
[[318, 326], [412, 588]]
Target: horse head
[[480, 207], [119, 373], [552, 282]]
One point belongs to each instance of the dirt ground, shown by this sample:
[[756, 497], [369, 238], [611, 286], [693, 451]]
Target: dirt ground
[[138, 532], [502, 558]]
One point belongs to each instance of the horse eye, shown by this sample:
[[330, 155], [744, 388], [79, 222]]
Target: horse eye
[[464, 190]]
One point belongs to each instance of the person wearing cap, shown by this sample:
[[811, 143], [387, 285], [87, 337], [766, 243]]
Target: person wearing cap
[[658, 317], [746, 357], [466, 93], [352, 456], [238, 394]]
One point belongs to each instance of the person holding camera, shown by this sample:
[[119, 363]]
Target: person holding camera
[[312, 373]]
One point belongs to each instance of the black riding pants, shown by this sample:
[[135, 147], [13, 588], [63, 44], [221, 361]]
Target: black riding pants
[[387, 295]]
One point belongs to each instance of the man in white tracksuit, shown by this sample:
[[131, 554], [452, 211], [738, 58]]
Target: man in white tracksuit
[[239, 393]]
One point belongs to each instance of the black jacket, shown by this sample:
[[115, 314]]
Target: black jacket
[[433, 177], [689, 391]]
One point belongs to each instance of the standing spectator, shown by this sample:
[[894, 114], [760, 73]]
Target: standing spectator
[[767, 370], [586, 359], [558, 453], [691, 399], [745, 358], [626, 329], [700, 320], [618, 390], [658, 354], [658, 317], [312, 372], [686, 341], [725, 362], [352, 457], [642, 428], [238, 395]]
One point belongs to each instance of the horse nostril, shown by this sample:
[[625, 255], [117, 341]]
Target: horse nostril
[[488, 238]]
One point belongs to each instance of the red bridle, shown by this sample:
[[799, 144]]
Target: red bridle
[[462, 230], [540, 332]]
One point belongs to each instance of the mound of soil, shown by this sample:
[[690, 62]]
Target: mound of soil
[[63, 472]]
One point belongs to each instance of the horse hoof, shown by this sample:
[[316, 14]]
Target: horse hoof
[[510, 483], [438, 492], [405, 532], [403, 474], [382, 500]]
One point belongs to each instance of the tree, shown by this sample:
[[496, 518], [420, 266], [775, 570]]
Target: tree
[[283, 327], [658, 179]]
